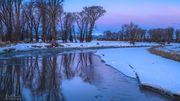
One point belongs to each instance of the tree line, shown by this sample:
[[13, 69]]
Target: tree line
[[133, 33], [35, 20]]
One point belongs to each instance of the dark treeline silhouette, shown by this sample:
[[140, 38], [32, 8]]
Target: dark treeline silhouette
[[32, 20], [178, 35], [132, 33]]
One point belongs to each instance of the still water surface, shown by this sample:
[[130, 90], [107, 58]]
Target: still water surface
[[71, 76]]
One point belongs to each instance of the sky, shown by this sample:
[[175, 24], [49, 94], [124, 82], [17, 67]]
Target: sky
[[146, 13]]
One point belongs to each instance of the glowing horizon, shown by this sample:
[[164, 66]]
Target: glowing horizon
[[147, 14]]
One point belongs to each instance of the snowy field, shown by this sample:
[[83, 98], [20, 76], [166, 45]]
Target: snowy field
[[31, 46], [152, 70]]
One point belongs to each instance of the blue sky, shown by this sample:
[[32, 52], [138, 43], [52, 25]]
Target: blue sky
[[145, 13]]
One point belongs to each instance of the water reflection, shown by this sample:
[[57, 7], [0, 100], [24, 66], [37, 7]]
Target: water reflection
[[65, 77], [40, 77]]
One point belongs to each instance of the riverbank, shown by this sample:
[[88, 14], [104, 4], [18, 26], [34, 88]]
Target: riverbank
[[19, 47], [154, 72], [170, 52]]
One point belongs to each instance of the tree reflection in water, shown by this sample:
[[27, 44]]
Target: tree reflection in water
[[39, 78]]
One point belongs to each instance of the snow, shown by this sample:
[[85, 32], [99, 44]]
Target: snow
[[152, 70], [23, 46], [106, 44], [173, 48], [93, 44]]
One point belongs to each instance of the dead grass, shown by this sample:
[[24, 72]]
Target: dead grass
[[2, 44], [168, 55]]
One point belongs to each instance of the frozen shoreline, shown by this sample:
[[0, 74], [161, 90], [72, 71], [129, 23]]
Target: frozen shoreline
[[154, 72], [95, 44]]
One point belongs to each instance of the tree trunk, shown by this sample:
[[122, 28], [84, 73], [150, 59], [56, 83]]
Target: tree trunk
[[89, 39], [43, 26], [37, 37]]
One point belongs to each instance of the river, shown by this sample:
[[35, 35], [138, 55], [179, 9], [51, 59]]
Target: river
[[66, 76]]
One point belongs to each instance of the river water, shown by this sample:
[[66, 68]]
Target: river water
[[70, 76]]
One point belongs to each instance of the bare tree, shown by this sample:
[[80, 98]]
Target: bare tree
[[1, 27], [42, 6], [6, 9], [74, 33], [68, 25], [108, 35], [93, 13], [36, 23], [170, 32], [60, 23], [24, 25], [54, 9], [140, 34], [81, 21], [17, 7], [32, 20], [161, 34], [131, 32], [25, 19], [28, 12]]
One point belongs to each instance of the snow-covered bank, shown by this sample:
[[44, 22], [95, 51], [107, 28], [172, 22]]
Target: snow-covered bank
[[93, 44], [152, 70], [169, 51], [23, 47], [174, 48]]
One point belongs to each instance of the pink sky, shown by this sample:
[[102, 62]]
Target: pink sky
[[146, 13]]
